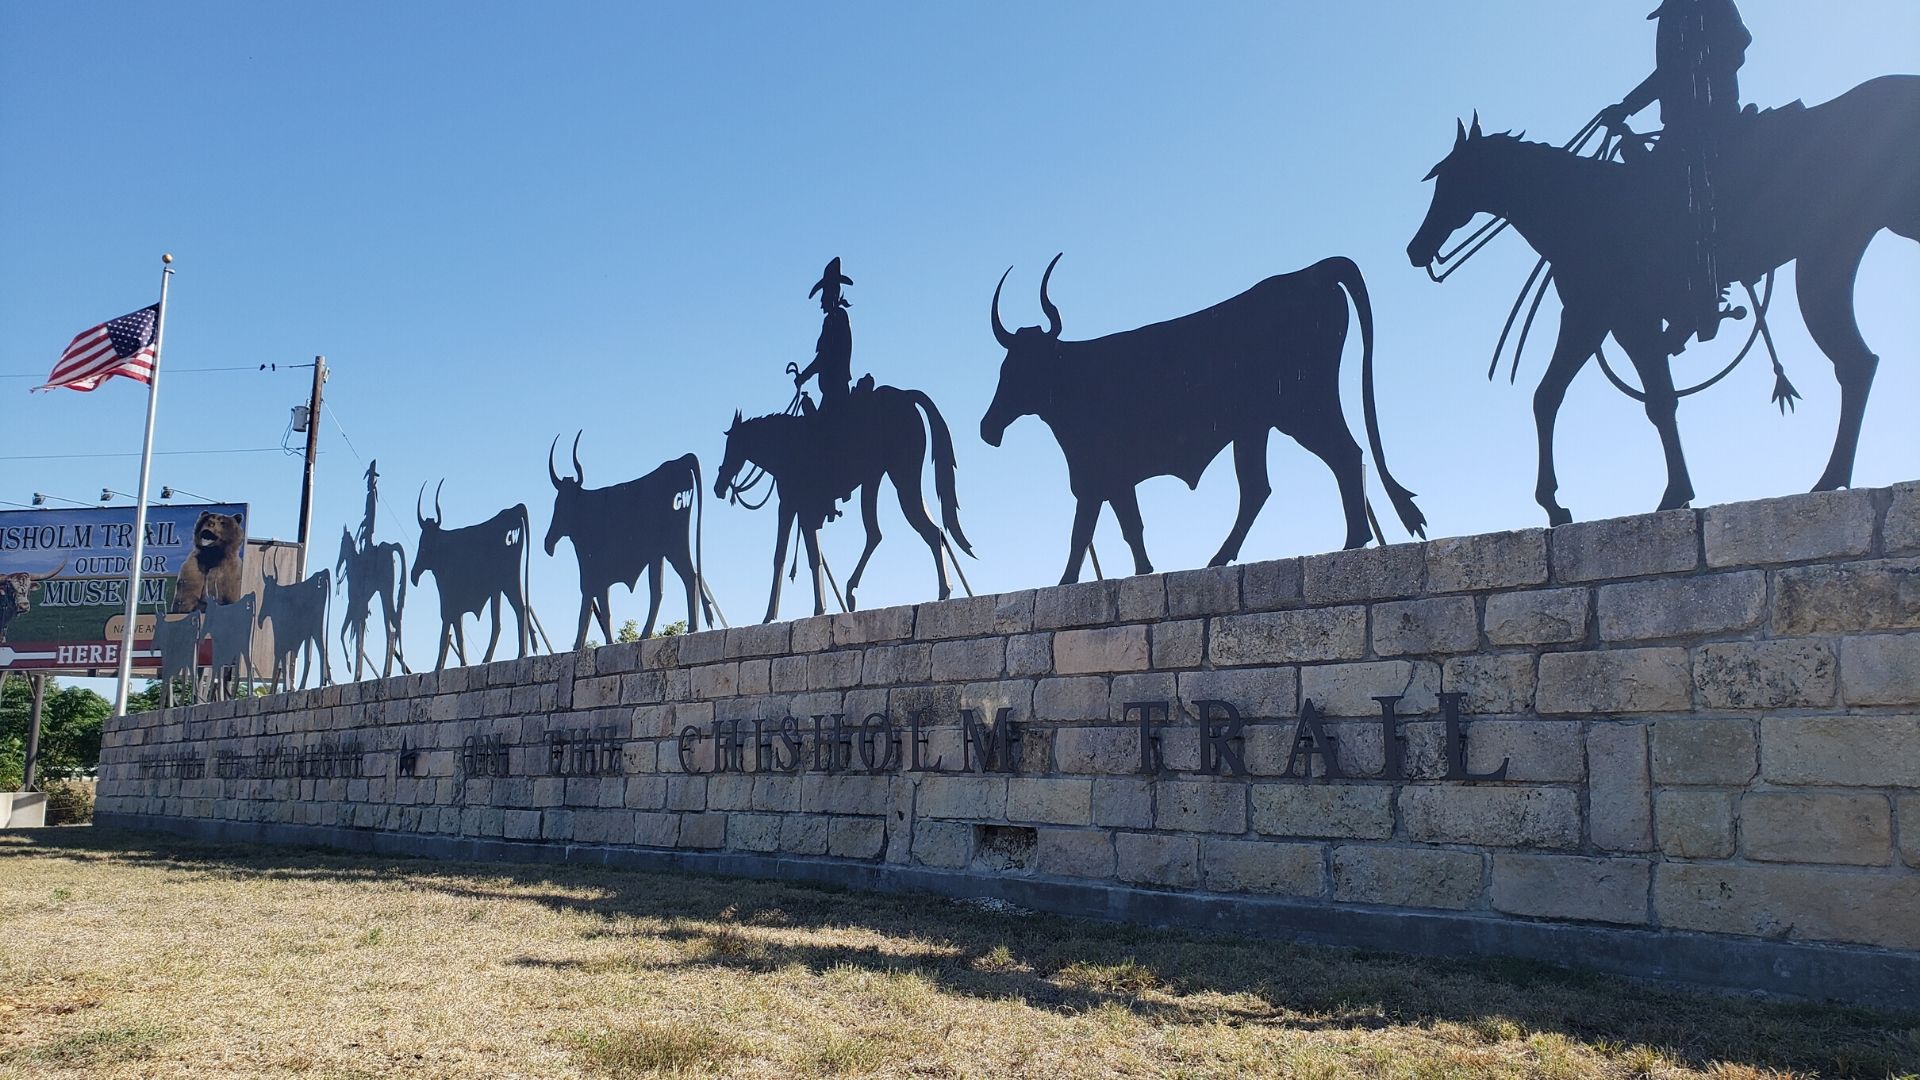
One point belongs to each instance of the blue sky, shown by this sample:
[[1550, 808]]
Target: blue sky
[[502, 223]]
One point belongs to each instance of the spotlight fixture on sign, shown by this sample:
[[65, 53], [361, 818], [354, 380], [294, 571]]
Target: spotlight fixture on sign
[[168, 492]]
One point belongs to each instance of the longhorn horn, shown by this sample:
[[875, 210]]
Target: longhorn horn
[[439, 515], [419, 517], [51, 573], [579, 473], [1046, 305], [552, 473], [999, 328], [1474, 131]]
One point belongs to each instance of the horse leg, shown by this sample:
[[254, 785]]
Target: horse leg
[[869, 516], [1126, 511], [1250, 468], [779, 562], [1825, 287], [654, 589], [1580, 337], [810, 536], [913, 507], [1086, 514], [1651, 361]]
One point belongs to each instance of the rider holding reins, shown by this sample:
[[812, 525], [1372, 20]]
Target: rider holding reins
[[1699, 46], [833, 352]]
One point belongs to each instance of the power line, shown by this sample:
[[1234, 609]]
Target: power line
[[342, 429], [173, 371], [156, 453]]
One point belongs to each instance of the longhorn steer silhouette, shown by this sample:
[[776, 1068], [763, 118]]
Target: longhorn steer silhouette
[[621, 532], [474, 566], [1165, 399]]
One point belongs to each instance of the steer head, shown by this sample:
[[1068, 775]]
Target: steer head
[[16, 591], [566, 494], [1024, 374], [427, 555]]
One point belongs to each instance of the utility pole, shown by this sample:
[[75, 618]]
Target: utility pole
[[313, 450]]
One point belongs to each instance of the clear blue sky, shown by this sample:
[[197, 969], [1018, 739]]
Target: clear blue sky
[[502, 223]]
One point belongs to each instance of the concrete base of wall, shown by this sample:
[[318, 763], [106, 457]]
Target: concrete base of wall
[[1836, 973], [23, 810]]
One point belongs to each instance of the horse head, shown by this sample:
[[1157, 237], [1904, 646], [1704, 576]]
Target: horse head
[[1453, 189], [1030, 355], [737, 433]]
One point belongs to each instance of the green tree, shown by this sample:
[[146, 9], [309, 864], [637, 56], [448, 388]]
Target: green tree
[[70, 724]]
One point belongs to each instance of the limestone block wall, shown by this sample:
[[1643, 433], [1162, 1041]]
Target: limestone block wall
[[1709, 722]]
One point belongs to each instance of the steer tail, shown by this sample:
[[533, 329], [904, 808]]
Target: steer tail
[[1348, 275], [943, 466], [699, 516]]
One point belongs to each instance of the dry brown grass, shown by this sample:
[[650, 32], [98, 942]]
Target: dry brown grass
[[128, 955]]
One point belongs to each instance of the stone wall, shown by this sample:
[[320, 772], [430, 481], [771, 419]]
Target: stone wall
[[1709, 723]]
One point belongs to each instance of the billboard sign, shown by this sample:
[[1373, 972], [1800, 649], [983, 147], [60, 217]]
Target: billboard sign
[[63, 579]]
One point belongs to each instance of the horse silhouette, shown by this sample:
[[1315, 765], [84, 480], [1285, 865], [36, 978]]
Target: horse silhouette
[[1165, 399], [814, 460], [1811, 186], [376, 570]]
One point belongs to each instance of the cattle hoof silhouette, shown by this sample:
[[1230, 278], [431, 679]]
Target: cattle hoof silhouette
[[1559, 515]]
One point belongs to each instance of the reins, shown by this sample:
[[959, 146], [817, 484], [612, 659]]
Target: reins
[[1541, 277]]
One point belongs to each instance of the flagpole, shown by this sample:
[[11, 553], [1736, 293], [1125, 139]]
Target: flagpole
[[140, 504]]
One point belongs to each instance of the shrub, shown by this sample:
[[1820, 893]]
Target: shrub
[[69, 802]]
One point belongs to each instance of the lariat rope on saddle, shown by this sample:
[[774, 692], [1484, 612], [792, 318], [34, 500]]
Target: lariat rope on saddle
[[1784, 393]]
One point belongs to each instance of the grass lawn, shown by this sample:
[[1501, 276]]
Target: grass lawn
[[126, 954]]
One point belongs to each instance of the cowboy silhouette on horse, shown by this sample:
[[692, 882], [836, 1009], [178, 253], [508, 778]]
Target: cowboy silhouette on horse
[[820, 456], [1699, 47], [833, 352], [1640, 249]]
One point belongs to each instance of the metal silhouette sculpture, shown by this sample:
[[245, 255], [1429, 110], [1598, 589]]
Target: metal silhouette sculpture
[[299, 616], [623, 531], [230, 628], [1165, 399], [1639, 249], [177, 639], [371, 570], [856, 438], [16, 593], [474, 566]]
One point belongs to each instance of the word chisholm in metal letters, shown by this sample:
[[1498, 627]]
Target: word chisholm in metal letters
[[832, 744]]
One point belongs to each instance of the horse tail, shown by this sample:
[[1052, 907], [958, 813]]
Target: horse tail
[[699, 560], [943, 468], [1347, 273], [401, 600]]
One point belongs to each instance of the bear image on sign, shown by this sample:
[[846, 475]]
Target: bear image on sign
[[212, 573]]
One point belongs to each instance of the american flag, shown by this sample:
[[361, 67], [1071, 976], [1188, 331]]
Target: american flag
[[122, 346]]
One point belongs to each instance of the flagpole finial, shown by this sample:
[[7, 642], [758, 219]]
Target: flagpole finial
[[166, 258]]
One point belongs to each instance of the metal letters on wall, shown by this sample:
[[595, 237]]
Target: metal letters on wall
[[856, 437], [473, 567], [1164, 400], [1648, 233], [623, 531]]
